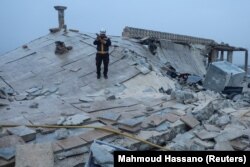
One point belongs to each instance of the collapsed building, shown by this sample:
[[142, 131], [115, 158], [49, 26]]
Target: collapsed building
[[54, 110]]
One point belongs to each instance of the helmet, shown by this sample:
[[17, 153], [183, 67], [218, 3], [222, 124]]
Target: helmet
[[102, 31]]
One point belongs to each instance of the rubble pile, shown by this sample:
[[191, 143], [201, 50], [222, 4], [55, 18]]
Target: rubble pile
[[154, 94]]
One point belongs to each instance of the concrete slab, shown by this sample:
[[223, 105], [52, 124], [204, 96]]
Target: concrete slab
[[205, 135], [110, 116], [211, 128], [171, 117], [10, 141], [239, 145], [223, 146], [71, 142], [206, 144], [94, 134], [39, 155], [7, 153], [27, 134], [190, 121], [130, 122]]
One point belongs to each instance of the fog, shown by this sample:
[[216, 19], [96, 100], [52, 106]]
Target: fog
[[22, 21]]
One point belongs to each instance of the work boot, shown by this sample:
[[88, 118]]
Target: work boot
[[98, 76], [106, 76]]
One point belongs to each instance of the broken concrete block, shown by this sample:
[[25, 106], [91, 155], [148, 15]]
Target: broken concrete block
[[7, 153], [223, 146], [211, 128], [178, 126], [112, 97], [204, 111], [205, 135], [144, 70], [40, 155], [239, 145], [24, 132], [221, 74], [21, 97], [206, 144], [61, 133], [184, 97], [223, 120], [76, 119], [101, 155], [190, 121]]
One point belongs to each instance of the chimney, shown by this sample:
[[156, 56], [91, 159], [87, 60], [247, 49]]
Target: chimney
[[60, 10]]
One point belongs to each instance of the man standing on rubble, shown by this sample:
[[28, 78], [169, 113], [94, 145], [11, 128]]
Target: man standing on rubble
[[102, 55]]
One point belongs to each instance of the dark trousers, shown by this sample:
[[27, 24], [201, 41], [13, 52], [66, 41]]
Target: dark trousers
[[99, 59]]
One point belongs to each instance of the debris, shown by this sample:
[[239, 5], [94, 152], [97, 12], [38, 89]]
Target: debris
[[86, 99], [112, 97], [7, 153], [205, 135], [54, 30], [223, 146], [190, 121], [110, 116], [211, 128], [24, 46], [21, 97], [144, 70], [34, 155], [61, 48], [194, 79], [76, 119], [26, 133], [4, 102], [101, 154], [184, 97], [223, 120], [221, 74], [34, 105], [61, 133]]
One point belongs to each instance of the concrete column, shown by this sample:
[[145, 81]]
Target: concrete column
[[230, 56], [221, 55], [60, 10], [246, 61], [214, 55]]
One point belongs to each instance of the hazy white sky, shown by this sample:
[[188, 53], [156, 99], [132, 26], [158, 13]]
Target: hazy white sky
[[222, 20]]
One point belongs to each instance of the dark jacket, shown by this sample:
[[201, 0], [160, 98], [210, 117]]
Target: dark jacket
[[102, 45]]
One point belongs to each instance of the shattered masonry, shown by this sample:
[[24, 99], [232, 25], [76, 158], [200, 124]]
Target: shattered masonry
[[154, 92]]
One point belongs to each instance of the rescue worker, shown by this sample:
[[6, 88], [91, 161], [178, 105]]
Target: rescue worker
[[102, 55]]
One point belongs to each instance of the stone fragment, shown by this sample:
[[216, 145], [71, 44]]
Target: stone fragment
[[61, 133], [101, 155], [71, 142], [76, 119], [223, 120], [206, 144], [171, 117], [86, 99], [7, 153], [25, 133], [110, 116], [190, 121], [34, 105], [223, 146], [95, 134], [211, 128], [205, 135], [239, 145]]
